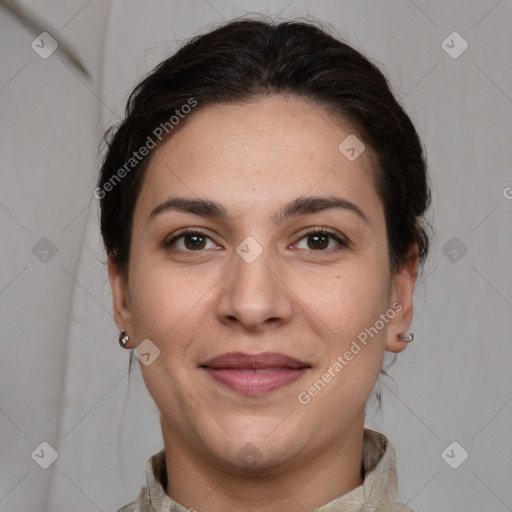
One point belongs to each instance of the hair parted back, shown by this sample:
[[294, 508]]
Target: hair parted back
[[243, 60]]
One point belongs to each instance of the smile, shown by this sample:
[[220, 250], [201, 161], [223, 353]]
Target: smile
[[255, 374]]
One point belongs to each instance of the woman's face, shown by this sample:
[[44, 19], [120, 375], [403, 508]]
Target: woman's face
[[260, 280]]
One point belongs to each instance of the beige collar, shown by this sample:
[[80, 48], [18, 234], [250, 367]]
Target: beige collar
[[379, 491]]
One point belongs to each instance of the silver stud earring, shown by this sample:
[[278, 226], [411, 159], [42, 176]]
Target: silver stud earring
[[407, 336], [123, 339]]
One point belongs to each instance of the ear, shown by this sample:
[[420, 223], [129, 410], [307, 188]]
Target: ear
[[402, 289], [120, 297]]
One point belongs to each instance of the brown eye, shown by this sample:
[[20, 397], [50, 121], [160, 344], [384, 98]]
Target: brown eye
[[194, 242], [189, 241], [318, 240]]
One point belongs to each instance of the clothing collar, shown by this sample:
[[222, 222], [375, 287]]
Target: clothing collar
[[379, 491]]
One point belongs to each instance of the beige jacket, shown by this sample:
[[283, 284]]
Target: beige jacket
[[378, 493]]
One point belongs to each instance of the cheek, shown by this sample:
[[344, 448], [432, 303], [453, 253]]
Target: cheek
[[347, 300], [350, 305], [167, 302]]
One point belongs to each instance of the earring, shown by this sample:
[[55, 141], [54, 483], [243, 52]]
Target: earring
[[408, 337], [123, 339]]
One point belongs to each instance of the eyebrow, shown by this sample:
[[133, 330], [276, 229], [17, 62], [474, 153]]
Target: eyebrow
[[300, 206]]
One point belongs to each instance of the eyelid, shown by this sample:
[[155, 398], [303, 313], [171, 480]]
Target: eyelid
[[337, 235], [168, 241], [342, 240]]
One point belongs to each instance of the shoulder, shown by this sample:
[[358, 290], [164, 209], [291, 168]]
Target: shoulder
[[131, 507], [153, 491]]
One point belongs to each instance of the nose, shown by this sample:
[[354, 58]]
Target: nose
[[255, 295]]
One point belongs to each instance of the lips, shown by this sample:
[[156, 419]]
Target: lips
[[255, 374]]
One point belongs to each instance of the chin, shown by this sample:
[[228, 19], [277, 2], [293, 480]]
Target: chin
[[252, 459], [257, 450]]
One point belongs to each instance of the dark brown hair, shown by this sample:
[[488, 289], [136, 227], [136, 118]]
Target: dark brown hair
[[250, 58]]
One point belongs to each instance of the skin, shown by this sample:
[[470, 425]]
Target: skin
[[309, 303]]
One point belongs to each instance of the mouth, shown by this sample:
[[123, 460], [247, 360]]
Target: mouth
[[255, 374]]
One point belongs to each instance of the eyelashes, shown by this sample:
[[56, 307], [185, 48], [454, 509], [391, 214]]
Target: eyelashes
[[184, 234], [199, 238], [325, 233]]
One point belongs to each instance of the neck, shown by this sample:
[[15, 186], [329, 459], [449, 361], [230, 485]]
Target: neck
[[200, 484]]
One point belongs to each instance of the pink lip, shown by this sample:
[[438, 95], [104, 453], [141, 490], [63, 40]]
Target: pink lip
[[255, 374]]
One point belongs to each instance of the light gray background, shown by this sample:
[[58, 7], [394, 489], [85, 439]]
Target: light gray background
[[63, 377]]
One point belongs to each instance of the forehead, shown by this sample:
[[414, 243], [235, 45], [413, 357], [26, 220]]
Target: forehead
[[271, 149]]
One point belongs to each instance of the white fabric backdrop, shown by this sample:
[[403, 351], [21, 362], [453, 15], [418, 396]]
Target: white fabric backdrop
[[63, 377]]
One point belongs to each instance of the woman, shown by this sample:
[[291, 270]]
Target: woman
[[262, 210]]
